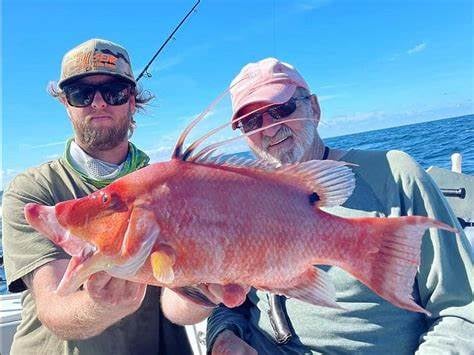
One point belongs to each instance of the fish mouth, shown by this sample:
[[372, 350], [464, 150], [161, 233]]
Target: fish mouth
[[44, 220], [85, 259]]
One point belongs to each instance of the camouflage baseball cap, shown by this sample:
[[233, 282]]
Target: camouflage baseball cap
[[95, 56]]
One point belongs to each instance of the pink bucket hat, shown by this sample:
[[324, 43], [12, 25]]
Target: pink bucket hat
[[268, 81]]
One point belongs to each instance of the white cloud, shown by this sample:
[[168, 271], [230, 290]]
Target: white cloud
[[45, 145], [418, 48]]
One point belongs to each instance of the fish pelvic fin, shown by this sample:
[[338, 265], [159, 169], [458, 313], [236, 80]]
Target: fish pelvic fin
[[387, 256], [162, 261], [194, 294], [313, 286], [332, 182]]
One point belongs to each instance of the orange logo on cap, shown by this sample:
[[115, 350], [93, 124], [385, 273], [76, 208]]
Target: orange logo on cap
[[104, 60]]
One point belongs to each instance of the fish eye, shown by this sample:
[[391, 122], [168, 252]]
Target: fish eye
[[105, 198]]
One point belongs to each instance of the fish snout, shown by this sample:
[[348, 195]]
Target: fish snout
[[45, 221], [31, 211], [39, 217]]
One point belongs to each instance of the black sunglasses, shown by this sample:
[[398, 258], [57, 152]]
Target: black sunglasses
[[277, 112], [114, 93]]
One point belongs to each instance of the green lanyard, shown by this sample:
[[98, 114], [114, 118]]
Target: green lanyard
[[136, 160]]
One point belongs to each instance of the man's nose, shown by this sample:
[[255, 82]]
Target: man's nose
[[98, 101], [266, 121]]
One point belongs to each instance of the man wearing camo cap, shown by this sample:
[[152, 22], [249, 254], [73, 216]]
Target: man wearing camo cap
[[107, 315]]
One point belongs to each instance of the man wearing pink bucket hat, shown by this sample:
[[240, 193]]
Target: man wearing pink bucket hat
[[268, 91], [388, 183]]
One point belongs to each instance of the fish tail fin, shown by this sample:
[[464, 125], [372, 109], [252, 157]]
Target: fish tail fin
[[388, 255]]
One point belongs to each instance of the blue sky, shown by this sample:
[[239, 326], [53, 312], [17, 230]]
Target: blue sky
[[373, 64]]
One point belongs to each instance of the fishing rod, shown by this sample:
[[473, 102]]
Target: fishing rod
[[144, 71]]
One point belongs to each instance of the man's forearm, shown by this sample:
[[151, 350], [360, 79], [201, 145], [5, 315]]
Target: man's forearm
[[459, 331], [76, 316], [87, 312]]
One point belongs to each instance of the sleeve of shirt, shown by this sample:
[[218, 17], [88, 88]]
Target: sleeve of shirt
[[445, 278], [223, 318], [24, 249]]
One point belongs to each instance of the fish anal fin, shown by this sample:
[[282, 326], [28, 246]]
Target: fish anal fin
[[162, 260], [313, 286]]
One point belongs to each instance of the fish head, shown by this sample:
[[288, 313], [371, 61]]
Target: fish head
[[90, 229], [99, 219]]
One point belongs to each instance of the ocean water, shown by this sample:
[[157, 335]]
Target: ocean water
[[430, 143]]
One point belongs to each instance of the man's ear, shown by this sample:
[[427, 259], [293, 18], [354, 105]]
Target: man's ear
[[62, 99], [132, 104], [315, 107]]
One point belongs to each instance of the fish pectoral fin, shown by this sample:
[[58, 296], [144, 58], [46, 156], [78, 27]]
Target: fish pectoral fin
[[140, 237], [162, 261], [332, 182], [313, 286]]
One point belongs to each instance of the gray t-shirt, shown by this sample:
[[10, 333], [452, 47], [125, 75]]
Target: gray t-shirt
[[143, 332], [387, 184]]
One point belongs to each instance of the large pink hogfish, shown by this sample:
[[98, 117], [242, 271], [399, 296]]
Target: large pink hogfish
[[196, 220]]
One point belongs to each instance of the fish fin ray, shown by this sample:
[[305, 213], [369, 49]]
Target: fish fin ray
[[195, 295], [332, 181], [162, 261], [389, 265], [314, 286], [239, 162], [189, 152]]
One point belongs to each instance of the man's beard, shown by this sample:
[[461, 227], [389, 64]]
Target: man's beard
[[102, 138], [303, 141]]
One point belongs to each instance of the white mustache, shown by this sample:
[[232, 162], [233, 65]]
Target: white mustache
[[302, 142], [283, 133]]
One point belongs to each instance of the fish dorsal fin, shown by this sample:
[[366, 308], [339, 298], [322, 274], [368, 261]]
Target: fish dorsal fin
[[238, 162], [331, 181]]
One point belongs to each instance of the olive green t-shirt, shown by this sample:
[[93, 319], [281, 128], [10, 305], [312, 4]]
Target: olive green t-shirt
[[387, 184], [143, 332]]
